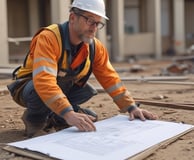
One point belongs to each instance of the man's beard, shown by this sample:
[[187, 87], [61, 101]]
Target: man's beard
[[86, 39]]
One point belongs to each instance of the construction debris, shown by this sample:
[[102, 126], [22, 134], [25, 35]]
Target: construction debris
[[177, 69], [180, 66], [137, 68], [190, 50], [160, 97]]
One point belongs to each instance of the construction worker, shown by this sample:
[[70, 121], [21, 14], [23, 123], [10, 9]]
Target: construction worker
[[56, 70]]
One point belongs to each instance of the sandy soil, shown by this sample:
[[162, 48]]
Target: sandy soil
[[12, 128]]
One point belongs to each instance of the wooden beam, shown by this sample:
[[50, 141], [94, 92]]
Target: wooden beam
[[186, 106], [28, 153], [166, 104], [155, 78], [184, 58], [152, 78], [171, 82]]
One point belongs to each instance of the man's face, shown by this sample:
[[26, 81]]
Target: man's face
[[86, 25]]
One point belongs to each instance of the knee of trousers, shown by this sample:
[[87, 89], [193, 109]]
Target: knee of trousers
[[32, 100], [79, 95]]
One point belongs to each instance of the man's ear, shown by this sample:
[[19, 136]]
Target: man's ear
[[72, 17]]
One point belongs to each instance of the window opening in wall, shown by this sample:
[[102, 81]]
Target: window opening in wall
[[131, 16]]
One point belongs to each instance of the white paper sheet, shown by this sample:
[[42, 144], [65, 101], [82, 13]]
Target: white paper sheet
[[116, 138]]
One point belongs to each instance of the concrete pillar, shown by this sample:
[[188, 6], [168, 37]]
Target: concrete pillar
[[33, 16], [4, 51], [158, 31], [179, 26], [117, 33], [60, 11]]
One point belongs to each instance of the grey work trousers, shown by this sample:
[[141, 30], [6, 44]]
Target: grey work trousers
[[37, 111]]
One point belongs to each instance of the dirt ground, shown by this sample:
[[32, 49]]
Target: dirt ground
[[12, 128]]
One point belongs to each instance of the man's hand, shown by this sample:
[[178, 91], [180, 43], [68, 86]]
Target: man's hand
[[142, 114], [82, 121]]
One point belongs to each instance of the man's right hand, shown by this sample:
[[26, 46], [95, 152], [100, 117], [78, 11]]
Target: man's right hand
[[82, 121]]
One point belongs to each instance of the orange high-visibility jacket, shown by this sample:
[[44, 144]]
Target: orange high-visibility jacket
[[42, 62]]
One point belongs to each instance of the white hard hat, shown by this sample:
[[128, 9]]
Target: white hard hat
[[94, 6]]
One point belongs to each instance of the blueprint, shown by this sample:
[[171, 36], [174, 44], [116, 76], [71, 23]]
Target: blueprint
[[116, 138]]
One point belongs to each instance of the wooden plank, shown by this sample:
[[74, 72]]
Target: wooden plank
[[151, 78], [171, 82], [165, 104], [28, 153], [154, 78], [184, 58], [189, 106]]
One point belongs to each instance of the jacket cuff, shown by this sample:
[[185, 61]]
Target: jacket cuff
[[64, 111], [132, 107]]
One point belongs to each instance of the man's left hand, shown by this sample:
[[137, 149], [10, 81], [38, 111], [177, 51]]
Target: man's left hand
[[142, 114]]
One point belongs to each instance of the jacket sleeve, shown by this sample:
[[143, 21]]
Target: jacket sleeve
[[46, 54], [109, 78]]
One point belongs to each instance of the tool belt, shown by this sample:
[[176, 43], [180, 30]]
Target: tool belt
[[16, 88]]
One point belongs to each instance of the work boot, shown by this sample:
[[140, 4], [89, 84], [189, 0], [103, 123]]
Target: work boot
[[31, 128], [88, 112], [58, 123]]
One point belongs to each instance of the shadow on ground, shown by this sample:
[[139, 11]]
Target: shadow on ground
[[13, 135]]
